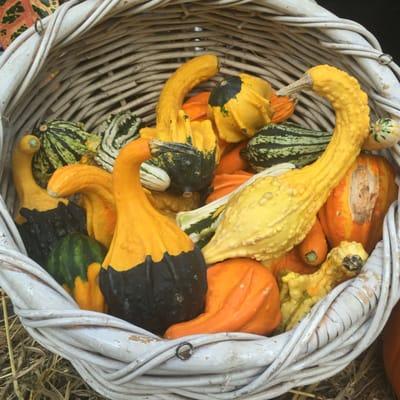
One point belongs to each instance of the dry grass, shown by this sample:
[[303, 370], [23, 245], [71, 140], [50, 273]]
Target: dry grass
[[28, 371]]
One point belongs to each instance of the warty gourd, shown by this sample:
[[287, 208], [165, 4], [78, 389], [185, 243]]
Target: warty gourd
[[270, 216]]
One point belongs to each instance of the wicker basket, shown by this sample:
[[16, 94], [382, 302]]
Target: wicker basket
[[98, 56]]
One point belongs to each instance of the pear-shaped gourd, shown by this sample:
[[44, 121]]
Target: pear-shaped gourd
[[269, 217], [152, 275]]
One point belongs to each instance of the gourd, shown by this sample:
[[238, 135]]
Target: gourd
[[286, 142], [153, 275], [383, 133], [391, 349], [355, 209], [196, 107], [314, 248], [298, 293], [171, 203], [200, 224], [290, 262], [41, 219], [74, 262], [224, 184], [231, 161], [282, 108], [240, 106], [242, 296], [269, 217], [95, 186], [190, 170], [61, 143], [117, 131]]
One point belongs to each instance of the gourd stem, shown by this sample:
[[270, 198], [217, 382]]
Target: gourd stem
[[305, 82]]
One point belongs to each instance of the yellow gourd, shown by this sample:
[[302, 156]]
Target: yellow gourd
[[30, 194], [95, 186], [298, 293], [269, 217]]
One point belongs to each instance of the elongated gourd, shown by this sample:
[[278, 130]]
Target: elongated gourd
[[152, 275], [269, 217], [193, 171], [95, 186]]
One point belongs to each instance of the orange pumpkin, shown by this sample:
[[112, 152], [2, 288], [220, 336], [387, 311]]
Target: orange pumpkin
[[391, 349], [282, 108], [242, 296], [224, 184], [356, 208], [231, 161]]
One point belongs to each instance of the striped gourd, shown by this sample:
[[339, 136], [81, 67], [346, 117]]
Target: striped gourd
[[116, 132], [384, 133], [61, 143], [287, 142]]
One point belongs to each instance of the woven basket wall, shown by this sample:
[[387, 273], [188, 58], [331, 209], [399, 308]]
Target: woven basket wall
[[100, 56]]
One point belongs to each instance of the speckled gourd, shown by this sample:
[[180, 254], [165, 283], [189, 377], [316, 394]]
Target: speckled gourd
[[272, 215]]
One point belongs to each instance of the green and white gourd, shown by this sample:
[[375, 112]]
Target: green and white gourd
[[116, 132], [384, 133], [61, 143], [200, 224], [286, 142]]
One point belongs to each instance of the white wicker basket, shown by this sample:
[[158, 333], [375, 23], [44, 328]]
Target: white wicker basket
[[98, 56]]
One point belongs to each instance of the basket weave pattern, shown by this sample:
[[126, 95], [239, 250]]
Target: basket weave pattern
[[100, 56]]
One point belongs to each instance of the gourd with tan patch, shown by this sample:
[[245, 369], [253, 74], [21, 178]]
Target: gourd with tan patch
[[270, 216]]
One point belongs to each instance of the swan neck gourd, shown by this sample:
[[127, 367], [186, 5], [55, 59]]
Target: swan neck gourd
[[275, 213]]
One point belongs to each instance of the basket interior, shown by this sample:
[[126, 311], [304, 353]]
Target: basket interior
[[123, 62]]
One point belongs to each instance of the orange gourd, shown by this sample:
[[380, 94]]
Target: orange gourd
[[391, 349], [356, 208], [314, 248], [282, 108], [224, 184], [231, 161], [290, 262], [196, 107], [242, 296]]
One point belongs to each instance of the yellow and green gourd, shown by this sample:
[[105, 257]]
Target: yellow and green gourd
[[271, 216]]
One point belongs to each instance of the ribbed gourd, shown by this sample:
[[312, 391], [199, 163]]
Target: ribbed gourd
[[61, 143], [74, 262], [192, 169], [240, 105], [116, 132], [152, 275], [286, 142], [95, 187], [269, 217], [41, 219]]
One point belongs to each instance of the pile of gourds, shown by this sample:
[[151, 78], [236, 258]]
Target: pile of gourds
[[221, 217]]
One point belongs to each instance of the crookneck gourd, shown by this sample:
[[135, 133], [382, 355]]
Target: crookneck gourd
[[299, 292], [240, 105], [242, 296], [356, 207], [95, 186], [191, 171], [41, 219], [273, 214], [74, 262], [153, 275]]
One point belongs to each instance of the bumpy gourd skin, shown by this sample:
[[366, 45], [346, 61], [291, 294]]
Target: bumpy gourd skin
[[299, 292], [272, 215]]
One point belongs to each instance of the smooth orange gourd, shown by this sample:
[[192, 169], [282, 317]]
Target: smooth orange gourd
[[391, 349], [196, 107], [224, 184], [282, 108], [242, 296], [356, 208], [314, 248], [231, 161]]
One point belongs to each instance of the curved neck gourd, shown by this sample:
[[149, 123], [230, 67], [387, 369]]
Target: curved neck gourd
[[141, 230], [30, 194], [275, 213]]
